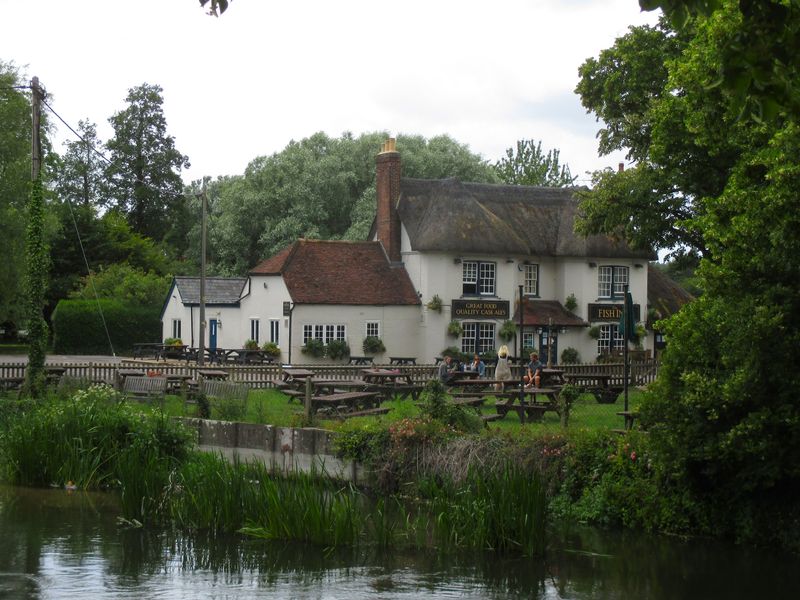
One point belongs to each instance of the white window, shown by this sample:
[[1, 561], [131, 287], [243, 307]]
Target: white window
[[373, 329], [529, 339], [610, 339], [477, 337], [478, 278], [274, 331], [255, 325], [611, 281], [323, 332], [531, 280], [176, 328]]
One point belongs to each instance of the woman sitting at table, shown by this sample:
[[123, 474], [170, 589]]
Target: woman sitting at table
[[477, 365]]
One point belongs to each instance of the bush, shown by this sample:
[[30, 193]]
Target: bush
[[454, 329], [78, 327], [337, 349], [570, 356], [507, 331], [314, 347], [251, 345], [435, 303], [571, 303], [271, 349], [373, 345]]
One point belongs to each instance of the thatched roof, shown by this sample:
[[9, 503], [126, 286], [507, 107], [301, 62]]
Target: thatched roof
[[663, 294], [447, 215], [540, 313]]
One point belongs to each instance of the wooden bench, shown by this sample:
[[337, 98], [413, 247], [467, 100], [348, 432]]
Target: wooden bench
[[489, 418], [531, 412], [371, 412], [224, 390], [11, 383], [351, 400], [469, 401], [145, 388]]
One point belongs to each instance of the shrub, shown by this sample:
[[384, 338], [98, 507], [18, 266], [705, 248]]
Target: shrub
[[79, 329], [507, 331], [171, 341], [435, 303], [454, 329], [373, 345], [271, 349], [434, 403], [314, 347], [571, 303], [594, 332], [251, 345], [337, 349], [570, 356]]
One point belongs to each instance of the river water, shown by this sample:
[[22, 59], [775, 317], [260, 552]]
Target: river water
[[56, 544]]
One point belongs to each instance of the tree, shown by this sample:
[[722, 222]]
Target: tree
[[125, 283], [683, 134], [723, 417], [759, 66], [15, 174], [319, 187], [80, 174], [144, 174], [529, 165]]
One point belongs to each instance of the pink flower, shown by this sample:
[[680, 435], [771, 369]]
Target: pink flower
[[633, 455]]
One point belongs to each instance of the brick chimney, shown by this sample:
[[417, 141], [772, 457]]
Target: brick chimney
[[388, 184]]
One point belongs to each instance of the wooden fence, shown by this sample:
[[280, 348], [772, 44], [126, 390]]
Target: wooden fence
[[264, 376]]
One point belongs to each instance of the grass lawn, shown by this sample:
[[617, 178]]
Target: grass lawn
[[275, 408]]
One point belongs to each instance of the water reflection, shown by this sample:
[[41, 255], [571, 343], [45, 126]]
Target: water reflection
[[60, 545]]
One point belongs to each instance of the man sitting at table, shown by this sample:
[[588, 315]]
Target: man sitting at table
[[446, 370], [534, 371], [476, 365]]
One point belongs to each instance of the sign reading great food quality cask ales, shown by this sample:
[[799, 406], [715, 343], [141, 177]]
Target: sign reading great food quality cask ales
[[480, 309], [609, 312]]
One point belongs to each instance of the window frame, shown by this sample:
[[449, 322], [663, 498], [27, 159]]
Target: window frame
[[324, 332], [530, 269], [610, 339], [275, 331], [478, 336], [255, 329], [376, 325], [176, 328], [619, 277], [478, 276]]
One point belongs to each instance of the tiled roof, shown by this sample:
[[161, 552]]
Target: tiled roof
[[339, 272], [450, 216], [219, 290], [539, 312]]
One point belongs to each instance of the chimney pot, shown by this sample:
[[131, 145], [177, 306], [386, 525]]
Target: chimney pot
[[621, 167]]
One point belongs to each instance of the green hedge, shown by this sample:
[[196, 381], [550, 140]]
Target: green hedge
[[78, 326]]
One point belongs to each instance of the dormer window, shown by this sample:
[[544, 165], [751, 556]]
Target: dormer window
[[611, 281], [478, 278]]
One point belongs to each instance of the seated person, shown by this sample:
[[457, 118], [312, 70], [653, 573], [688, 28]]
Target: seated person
[[478, 366], [533, 374], [446, 369]]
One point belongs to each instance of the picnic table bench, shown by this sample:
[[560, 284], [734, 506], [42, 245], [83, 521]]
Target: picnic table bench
[[402, 360], [224, 390], [346, 402], [528, 410], [630, 417], [360, 360], [145, 388]]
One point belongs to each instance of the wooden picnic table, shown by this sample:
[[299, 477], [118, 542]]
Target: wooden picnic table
[[248, 356], [551, 377], [402, 360], [346, 401], [177, 382], [122, 374], [630, 417], [360, 360], [526, 405], [391, 382], [329, 386], [212, 373]]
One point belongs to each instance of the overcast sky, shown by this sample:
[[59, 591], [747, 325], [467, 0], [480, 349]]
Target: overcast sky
[[267, 72]]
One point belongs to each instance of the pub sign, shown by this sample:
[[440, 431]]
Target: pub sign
[[609, 312], [479, 309]]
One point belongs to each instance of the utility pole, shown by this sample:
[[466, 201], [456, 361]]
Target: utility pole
[[201, 354], [36, 255]]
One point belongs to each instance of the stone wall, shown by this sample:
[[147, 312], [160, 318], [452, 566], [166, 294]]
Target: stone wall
[[283, 449]]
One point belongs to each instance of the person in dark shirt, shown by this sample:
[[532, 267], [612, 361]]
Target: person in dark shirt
[[533, 374]]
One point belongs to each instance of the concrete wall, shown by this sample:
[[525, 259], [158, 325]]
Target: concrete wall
[[284, 449]]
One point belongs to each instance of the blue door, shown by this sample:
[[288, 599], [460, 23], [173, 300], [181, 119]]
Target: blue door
[[212, 334]]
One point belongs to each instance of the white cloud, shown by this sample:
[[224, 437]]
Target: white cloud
[[264, 73]]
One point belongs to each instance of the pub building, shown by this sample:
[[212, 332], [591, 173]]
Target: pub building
[[440, 251]]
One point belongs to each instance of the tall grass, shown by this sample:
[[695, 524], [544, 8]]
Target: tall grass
[[85, 441], [501, 510]]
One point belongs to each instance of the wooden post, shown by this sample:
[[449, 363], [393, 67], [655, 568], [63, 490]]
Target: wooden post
[[201, 346], [307, 402]]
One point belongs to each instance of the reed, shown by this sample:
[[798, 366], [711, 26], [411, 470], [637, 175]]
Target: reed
[[502, 510]]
